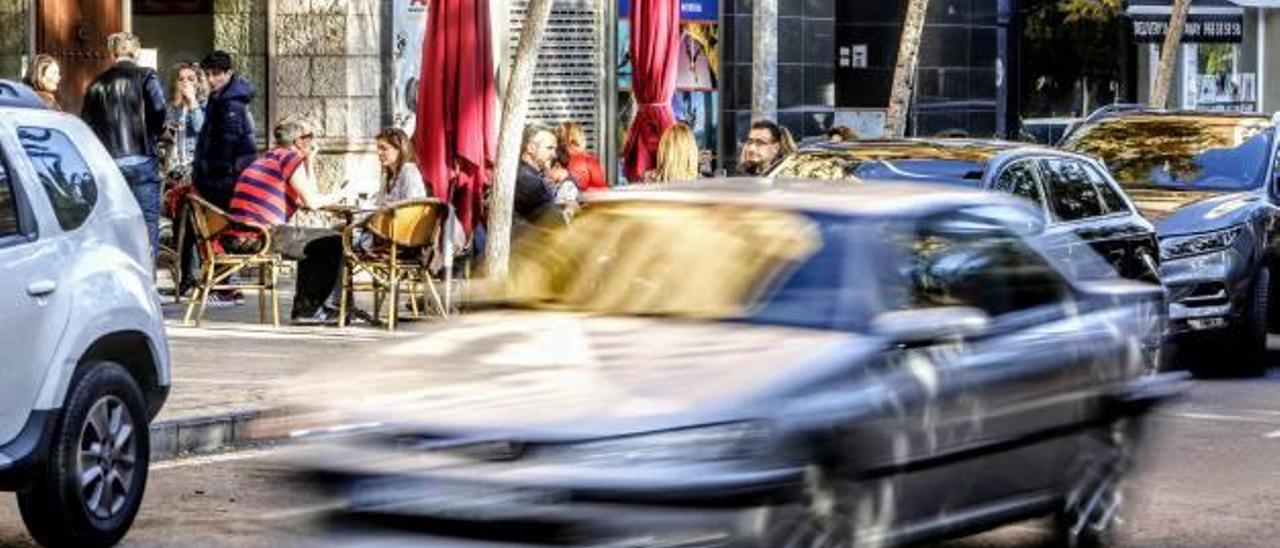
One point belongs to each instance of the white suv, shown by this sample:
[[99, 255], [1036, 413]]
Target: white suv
[[84, 365]]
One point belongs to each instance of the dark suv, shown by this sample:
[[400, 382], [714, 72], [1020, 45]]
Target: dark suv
[[1209, 183]]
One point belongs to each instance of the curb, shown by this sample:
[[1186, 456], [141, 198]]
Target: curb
[[176, 438]]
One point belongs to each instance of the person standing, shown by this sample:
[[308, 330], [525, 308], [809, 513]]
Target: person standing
[[184, 119], [125, 107], [226, 144], [677, 156], [44, 77], [583, 166]]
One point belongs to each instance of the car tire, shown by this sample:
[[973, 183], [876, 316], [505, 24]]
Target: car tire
[[89, 490], [1092, 509], [1248, 340]]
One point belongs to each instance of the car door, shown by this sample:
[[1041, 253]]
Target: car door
[[980, 416], [1082, 204], [34, 311]]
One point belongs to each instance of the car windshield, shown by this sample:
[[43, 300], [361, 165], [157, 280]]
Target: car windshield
[[917, 166], [701, 261], [1179, 153]]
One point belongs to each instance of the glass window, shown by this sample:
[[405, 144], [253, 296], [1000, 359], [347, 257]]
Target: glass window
[[1072, 194], [1110, 196], [63, 172], [1019, 179], [9, 224], [962, 259]]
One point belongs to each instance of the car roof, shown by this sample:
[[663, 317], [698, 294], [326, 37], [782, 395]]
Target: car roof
[[1187, 115], [971, 150], [18, 95], [866, 199]]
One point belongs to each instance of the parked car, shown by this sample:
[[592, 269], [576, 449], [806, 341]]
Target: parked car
[[1076, 198], [1210, 183], [85, 364], [756, 363]]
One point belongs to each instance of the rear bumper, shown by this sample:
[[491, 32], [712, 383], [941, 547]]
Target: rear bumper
[[21, 458]]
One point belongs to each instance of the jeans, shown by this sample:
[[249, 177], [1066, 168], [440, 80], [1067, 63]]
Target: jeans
[[144, 181]]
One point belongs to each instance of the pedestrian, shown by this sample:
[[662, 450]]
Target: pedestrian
[[268, 193], [583, 166], [43, 77], [226, 144], [677, 156], [841, 134], [401, 179], [534, 196], [766, 146], [184, 119], [125, 106]]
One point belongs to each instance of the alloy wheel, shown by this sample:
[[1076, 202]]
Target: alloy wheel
[[107, 458]]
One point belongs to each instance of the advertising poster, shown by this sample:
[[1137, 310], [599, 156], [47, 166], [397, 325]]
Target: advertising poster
[[697, 97], [409, 24]]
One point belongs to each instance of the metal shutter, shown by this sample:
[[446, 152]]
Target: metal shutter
[[567, 83]]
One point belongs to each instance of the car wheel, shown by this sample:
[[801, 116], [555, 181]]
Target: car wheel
[[1091, 514], [828, 513], [1249, 337], [89, 490]]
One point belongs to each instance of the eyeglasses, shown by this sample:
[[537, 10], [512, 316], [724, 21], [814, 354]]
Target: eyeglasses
[[758, 143]]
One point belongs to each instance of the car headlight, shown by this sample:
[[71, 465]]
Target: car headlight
[[729, 441], [1198, 244]]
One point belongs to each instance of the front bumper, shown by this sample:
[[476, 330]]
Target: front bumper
[[1206, 292], [704, 505]]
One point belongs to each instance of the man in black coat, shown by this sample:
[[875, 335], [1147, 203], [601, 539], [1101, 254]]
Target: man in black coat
[[226, 145], [125, 107]]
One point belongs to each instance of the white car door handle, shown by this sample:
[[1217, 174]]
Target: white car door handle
[[42, 288]]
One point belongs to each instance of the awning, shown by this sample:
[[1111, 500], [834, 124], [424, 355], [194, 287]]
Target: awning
[[1220, 21]]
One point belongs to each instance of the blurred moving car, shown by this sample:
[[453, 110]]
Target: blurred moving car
[[1210, 183], [1077, 200], [84, 362], [757, 363]]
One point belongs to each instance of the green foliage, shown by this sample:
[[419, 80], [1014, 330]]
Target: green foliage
[[1066, 41], [1090, 10]]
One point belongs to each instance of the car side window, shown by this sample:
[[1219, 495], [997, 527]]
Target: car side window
[[9, 221], [63, 173], [1110, 195], [1073, 195], [1019, 179], [963, 260]]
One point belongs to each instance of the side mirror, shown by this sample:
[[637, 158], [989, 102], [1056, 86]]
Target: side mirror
[[924, 325]]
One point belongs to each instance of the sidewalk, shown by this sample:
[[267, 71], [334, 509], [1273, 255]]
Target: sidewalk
[[228, 375]]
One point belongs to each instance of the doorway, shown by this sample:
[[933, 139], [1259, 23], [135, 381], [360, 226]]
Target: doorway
[[75, 33], [176, 31]]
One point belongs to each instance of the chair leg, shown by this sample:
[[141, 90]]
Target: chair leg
[[435, 296], [413, 298], [204, 293], [394, 278], [346, 290], [275, 295], [262, 293], [196, 296]]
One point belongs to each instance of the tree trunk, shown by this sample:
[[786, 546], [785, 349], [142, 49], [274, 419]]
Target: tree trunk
[[904, 72], [515, 107], [764, 55], [1169, 53]]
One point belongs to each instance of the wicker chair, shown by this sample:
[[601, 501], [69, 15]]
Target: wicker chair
[[210, 224], [402, 238]]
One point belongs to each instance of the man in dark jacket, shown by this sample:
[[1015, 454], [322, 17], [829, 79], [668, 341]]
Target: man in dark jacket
[[125, 107], [226, 145], [533, 197]]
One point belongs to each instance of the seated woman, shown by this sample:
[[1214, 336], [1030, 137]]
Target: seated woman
[[401, 179], [268, 193]]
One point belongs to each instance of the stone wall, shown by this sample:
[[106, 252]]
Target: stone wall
[[240, 28], [327, 68], [14, 36]]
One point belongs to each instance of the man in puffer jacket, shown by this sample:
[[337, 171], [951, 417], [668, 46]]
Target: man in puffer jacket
[[226, 145]]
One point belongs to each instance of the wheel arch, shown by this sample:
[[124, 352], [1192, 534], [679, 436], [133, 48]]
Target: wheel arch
[[134, 351]]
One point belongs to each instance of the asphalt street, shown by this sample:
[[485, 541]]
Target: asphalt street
[[1212, 481]]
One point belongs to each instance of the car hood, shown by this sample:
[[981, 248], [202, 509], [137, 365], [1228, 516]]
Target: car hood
[[538, 370], [1177, 212]]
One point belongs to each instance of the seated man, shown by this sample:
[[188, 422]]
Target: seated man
[[268, 193]]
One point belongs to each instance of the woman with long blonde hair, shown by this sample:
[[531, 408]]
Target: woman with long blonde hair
[[677, 156], [44, 76]]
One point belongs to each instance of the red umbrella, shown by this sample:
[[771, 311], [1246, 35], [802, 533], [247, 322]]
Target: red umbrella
[[457, 98], [655, 45]]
